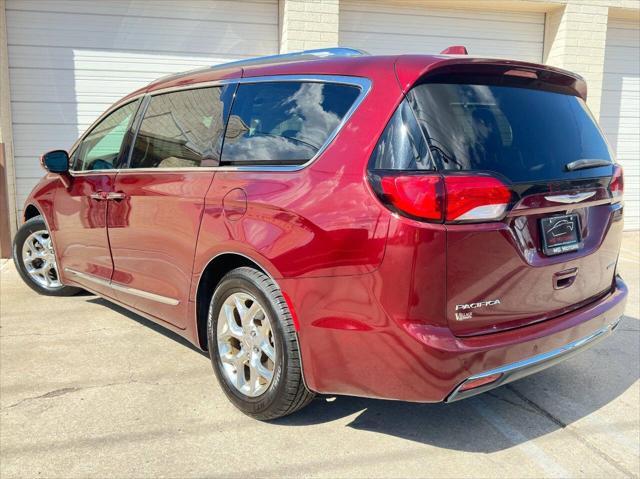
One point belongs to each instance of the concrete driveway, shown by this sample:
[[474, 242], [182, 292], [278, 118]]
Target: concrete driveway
[[91, 390]]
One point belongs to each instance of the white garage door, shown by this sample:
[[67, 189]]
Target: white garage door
[[390, 28], [70, 59], [620, 110]]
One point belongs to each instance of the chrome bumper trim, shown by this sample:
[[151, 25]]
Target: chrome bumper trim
[[534, 364]]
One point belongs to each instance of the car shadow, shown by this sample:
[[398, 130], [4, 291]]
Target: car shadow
[[145, 322], [494, 421], [502, 418]]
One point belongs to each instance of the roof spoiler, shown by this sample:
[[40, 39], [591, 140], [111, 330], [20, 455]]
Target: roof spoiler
[[411, 69], [455, 50]]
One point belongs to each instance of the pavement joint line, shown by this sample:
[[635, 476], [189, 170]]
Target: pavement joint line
[[532, 451], [566, 427], [513, 403]]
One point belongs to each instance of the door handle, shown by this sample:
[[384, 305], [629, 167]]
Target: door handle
[[99, 196], [116, 196]]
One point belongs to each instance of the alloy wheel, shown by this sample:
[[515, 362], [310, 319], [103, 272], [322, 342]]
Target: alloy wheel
[[40, 260], [246, 346]]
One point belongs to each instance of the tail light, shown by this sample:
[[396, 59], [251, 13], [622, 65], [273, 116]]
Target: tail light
[[418, 196], [616, 187], [476, 198], [444, 198]]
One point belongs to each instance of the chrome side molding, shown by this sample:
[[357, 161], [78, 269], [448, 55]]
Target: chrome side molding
[[571, 198], [125, 289]]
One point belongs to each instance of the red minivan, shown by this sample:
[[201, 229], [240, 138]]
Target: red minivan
[[414, 227]]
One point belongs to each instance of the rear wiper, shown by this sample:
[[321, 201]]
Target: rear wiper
[[586, 163]]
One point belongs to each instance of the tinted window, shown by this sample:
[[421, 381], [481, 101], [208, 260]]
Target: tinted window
[[180, 130], [402, 146], [284, 122], [524, 134], [100, 149]]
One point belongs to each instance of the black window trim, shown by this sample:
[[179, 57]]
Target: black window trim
[[361, 82]]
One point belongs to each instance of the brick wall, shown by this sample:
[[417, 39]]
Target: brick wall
[[575, 39], [308, 24]]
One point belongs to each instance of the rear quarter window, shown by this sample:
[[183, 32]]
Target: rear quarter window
[[284, 123]]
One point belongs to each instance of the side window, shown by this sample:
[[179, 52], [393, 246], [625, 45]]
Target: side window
[[100, 148], [402, 145], [282, 123], [180, 130]]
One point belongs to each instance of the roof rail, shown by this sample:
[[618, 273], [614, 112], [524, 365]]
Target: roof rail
[[303, 55]]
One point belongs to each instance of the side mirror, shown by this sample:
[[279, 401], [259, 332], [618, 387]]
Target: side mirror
[[56, 161]]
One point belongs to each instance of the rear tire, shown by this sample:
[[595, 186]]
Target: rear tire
[[35, 259], [253, 346]]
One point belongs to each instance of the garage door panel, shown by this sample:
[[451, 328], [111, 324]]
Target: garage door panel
[[401, 28], [57, 113], [614, 79], [622, 61], [406, 9], [28, 169], [30, 141], [620, 109], [436, 26], [399, 43], [60, 58], [69, 61], [126, 33], [256, 11], [622, 34], [617, 127]]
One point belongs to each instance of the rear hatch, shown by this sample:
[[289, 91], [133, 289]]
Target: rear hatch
[[528, 191]]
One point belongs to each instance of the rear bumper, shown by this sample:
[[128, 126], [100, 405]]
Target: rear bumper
[[534, 364], [530, 349], [373, 354]]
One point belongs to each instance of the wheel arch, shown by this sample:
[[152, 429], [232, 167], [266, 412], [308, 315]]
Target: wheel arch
[[31, 211], [212, 274]]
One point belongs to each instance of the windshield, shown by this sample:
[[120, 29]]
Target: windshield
[[523, 134]]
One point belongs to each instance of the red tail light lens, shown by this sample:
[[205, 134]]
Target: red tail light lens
[[448, 198], [419, 195], [475, 198], [616, 187]]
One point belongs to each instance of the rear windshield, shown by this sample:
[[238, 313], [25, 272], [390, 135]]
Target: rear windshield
[[523, 134]]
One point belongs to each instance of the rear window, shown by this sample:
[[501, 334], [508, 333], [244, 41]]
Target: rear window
[[523, 134], [283, 123]]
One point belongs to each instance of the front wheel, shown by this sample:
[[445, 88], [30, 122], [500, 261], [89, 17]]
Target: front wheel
[[35, 259], [253, 346]]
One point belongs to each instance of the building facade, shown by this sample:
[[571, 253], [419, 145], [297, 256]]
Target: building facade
[[63, 62]]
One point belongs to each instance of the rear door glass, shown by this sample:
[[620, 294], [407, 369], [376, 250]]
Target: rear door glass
[[283, 123], [523, 134], [181, 130]]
